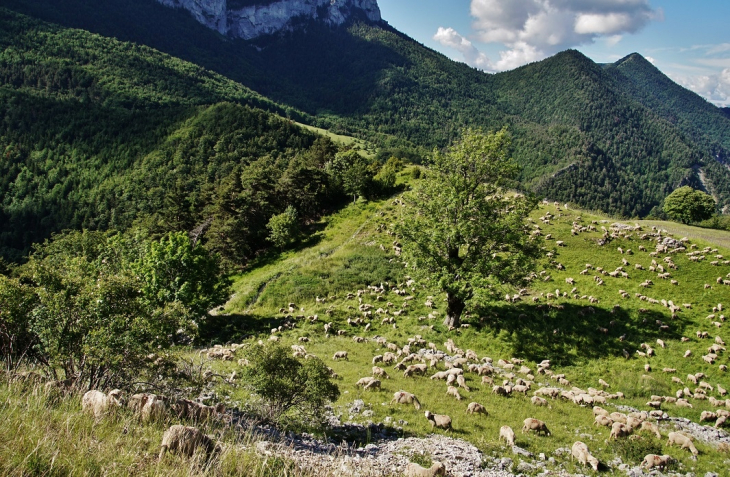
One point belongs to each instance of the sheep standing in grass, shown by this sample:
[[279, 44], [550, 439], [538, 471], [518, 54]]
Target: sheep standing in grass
[[453, 391], [441, 421], [659, 462], [98, 403], [619, 429], [403, 397], [153, 409], [683, 441], [187, 440], [532, 424], [476, 408], [506, 433], [340, 355], [581, 453], [415, 470]]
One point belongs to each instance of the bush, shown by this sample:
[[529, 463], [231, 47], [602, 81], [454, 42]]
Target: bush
[[286, 383], [687, 205], [284, 228], [636, 448]]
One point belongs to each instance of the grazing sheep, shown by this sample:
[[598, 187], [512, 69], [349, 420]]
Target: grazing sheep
[[683, 441], [619, 429], [340, 355], [402, 397], [453, 391], [532, 424], [581, 453], [506, 433], [462, 383], [476, 408], [187, 440], [659, 461], [441, 421], [538, 401], [98, 403], [602, 420], [415, 470], [650, 427], [380, 372]]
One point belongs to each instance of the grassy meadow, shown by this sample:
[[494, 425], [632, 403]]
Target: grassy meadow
[[352, 250]]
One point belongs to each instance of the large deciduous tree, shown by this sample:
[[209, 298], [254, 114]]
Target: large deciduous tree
[[688, 205], [463, 229]]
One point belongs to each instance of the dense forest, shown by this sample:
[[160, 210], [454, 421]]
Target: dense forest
[[150, 119]]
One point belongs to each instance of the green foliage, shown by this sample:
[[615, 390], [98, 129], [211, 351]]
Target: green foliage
[[90, 318], [283, 228], [635, 449], [174, 269], [16, 339], [352, 172], [687, 205], [386, 177], [286, 383], [462, 229]]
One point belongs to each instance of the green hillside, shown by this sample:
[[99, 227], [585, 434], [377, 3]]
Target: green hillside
[[603, 138], [102, 134]]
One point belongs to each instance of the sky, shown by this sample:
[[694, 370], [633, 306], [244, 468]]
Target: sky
[[688, 40]]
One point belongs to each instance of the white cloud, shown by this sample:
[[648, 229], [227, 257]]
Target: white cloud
[[650, 60], [473, 57], [534, 29], [714, 87]]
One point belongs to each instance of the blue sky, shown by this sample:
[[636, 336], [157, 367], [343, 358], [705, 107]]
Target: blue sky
[[689, 40]]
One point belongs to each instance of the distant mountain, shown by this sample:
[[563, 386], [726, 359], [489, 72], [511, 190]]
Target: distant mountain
[[617, 138]]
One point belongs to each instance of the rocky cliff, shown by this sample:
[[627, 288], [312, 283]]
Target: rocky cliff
[[267, 17]]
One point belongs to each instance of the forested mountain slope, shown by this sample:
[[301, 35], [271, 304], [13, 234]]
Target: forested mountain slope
[[97, 133]]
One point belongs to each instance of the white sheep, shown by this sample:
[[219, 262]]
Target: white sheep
[[154, 408], [441, 421], [187, 440], [581, 453], [619, 429], [506, 433], [453, 391], [98, 403], [403, 397], [653, 460], [476, 408], [532, 424], [683, 441], [415, 470], [340, 355]]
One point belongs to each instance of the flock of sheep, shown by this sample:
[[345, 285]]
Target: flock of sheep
[[185, 440]]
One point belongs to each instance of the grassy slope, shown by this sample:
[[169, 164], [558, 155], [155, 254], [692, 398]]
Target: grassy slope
[[525, 330]]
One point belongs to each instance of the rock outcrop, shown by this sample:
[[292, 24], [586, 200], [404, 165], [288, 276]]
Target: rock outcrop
[[268, 17]]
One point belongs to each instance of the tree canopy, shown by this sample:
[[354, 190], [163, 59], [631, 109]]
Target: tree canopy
[[462, 228], [688, 205]]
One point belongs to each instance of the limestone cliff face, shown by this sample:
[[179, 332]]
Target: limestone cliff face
[[271, 17]]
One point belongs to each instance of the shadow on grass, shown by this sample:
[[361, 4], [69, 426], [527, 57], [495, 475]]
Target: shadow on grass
[[235, 327], [571, 332]]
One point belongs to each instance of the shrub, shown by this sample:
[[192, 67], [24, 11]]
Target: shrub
[[634, 449], [286, 383], [284, 228]]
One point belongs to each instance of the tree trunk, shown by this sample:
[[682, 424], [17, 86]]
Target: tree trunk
[[454, 307]]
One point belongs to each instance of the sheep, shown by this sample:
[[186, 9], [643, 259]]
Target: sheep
[[380, 372], [619, 429], [476, 408], [532, 424], [441, 421], [603, 383], [658, 461], [650, 427], [403, 397], [538, 401], [452, 391], [462, 383], [683, 441], [98, 403], [187, 440], [602, 420], [340, 355], [154, 408], [415, 470], [581, 454], [506, 433]]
